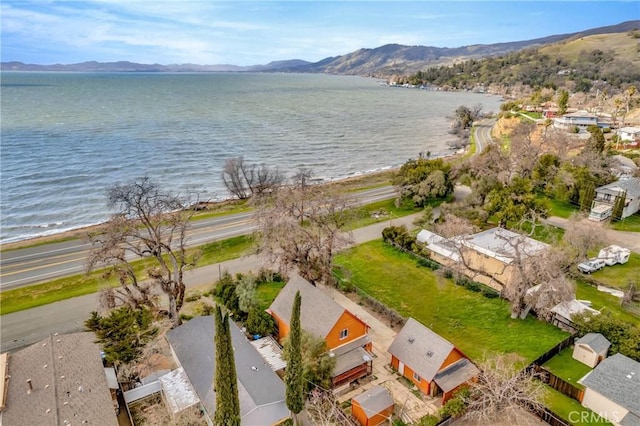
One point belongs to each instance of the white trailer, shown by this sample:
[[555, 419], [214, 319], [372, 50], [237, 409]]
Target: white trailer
[[614, 254]]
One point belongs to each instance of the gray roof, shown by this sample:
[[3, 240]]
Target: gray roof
[[69, 384], [596, 341], [631, 185], [617, 378], [420, 349], [260, 391], [374, 400], [318, 312], [456, 374], [350, 360], [500, 242]]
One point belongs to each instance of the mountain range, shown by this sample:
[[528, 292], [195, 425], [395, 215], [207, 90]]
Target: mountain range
[[382, 61]]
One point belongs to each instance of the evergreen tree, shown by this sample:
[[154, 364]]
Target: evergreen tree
[[225, 381], [294, 374], [596, 140], [123, 333], [618, 206], [586, 198], [563, 102]]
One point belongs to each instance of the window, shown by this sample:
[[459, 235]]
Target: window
[[344, 333], [416, 377]]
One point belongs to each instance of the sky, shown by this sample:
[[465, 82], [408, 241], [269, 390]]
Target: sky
[[257, 32]]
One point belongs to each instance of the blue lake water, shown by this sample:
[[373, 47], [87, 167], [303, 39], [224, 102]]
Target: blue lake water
[[67, 137]]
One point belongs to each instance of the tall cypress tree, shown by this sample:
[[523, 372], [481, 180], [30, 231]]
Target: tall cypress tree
[[226, 381], [586, 197], [294, 376], [618, 206]]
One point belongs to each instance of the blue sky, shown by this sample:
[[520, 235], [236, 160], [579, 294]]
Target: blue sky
[[249, 33]]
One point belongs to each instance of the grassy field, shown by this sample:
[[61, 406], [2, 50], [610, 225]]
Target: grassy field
[[564, 366], [561, 208], [619, 276], [78, 285], [604, 302], [267, 292], [570, 409], [623, 46], [477, 325], [629, 224]]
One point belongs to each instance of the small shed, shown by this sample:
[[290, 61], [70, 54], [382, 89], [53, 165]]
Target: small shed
[[591, 348], [373, 407]]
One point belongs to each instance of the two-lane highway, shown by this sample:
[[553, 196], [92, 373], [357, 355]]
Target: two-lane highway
[[482, 134], [45, 262]]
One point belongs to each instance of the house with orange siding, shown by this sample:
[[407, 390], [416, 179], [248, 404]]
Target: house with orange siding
[[346, 335], [373, 407], [429, 361]]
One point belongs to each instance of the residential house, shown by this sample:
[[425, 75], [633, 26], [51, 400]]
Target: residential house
[[579, 119], [605, 199], [429, 361], [260, 390], [346, 335], [58, 381], [591, 348], [488, 256], [612, 390], [630, 134], [372, 407]]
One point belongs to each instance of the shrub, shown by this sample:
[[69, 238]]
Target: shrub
[[193, 297]]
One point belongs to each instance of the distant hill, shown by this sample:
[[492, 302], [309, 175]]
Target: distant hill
[[390, 59], [125, 66], [403, 60]]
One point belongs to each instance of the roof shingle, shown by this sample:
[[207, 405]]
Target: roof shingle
[[318, 312]]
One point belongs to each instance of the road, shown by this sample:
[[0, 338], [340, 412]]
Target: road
[[483, 134], [41, 263], [67, 316]]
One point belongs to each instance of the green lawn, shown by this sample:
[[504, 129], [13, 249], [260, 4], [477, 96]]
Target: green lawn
[[604, 302], [619, 276], [570, 409], [629, 224], [381, 211], [564, 366], [267, 292], [78, 285], [477, 325], [561, 208]]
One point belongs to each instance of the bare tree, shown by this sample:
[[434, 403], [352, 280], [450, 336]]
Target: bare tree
[[245, 180], [524, 152], [323, 408], [301, 227], [502, 393], [150, 225]]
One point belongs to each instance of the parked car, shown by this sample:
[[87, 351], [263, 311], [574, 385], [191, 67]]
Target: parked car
[[591, 265]]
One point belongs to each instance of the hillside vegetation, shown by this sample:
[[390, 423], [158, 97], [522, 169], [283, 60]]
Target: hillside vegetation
[[623, 46], [612, 59]]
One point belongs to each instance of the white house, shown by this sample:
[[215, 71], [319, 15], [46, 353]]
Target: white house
[[579, 119], [591, 348], [629, 133], [606, 197], [612, 390]]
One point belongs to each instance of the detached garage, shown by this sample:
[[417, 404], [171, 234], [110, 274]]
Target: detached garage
[[373, 407]]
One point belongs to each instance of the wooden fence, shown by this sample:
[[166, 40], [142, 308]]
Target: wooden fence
[[559, 384], [553, 351]]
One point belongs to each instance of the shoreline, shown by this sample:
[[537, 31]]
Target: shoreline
[[81, 232]]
